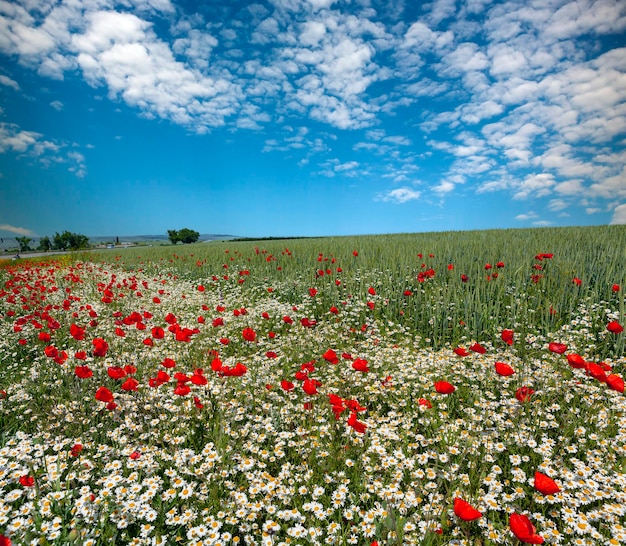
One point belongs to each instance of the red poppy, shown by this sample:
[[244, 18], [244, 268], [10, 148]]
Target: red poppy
[[219, 321], [478, 348], [407, 293], [461, 351], [577, 281], [310, 386], [76, 449], [104, 395], [558, 348], [197, 402], [134, 455], [84, 372], [545, 485], [287, 319], [443, 387], [424, 402], [360, 365], [182, 389], [465, 510], [312, 292], [168, 363], [500, 265], [27, 481], [614, 327], [115, 372], [523, 529], [45, 337], [77, 332], [371, 291], [286, 385], [355, 253], [504, 369], [524, 394], [358, 426], [596, 371], [488, 267], [615, 382], [576, 361], [464, 278], [331, 356], [5, 541], [130, 384], [100, 347], [507, 336], [615, 288]]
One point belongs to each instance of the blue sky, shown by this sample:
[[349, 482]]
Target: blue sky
[[310, 117]]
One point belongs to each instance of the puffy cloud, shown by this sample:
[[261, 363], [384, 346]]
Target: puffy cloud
[[400, 195], [619, 215]]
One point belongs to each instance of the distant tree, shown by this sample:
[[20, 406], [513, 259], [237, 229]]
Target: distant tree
[[188, 236], [44, 244], [185, 236], [24, 243], [69, 241], [172, 234]]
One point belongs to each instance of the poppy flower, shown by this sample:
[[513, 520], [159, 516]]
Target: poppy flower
[[371, 291], [248, 334], [461, 351], [100, 347], [478, 348], [577, 281], [44, 336], [76, 449], [331, 356], [130, 384], [424, 402], [134, 455], [115, 372], [84, 372], [358, 426], [443, 387], [615, 382], [312, 292], [576, 361], [168, 363], [287, 386], [504, 369], [596, 371], [464, 278], [524, 394], [545, 485], [27, 481], [507, 336], [614, 327], [558, 348], [523, 529], [309, 386], [360, 365], [465, 510], [615, 288], [104, 395], [5, 541]]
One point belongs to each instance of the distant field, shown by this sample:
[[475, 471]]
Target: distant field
[[443, 388]]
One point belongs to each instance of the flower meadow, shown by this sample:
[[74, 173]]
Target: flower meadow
[[451, 388]]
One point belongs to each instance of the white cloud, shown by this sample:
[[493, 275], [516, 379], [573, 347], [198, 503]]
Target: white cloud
[[57, 105], [531, 215], [8, 82], [619, 215], [537, 185], [32, 144], [400, 195], [16, 230]]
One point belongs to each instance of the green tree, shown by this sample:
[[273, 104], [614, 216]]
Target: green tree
[[173, 236], [44, 244], [24, 243], [185, 236], [69, 241]]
